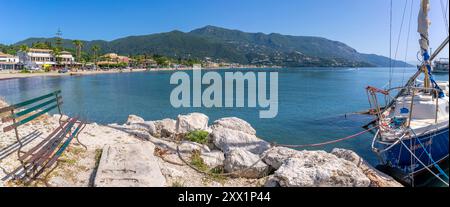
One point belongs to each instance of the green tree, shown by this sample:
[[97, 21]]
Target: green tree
[[40, 45], [56, 52], [95, 49], [24, 48], [78, 45]]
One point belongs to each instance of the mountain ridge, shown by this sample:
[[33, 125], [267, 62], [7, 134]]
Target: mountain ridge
[[237, 46]]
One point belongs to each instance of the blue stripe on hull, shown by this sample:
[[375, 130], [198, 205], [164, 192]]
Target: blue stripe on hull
[[435, 143]]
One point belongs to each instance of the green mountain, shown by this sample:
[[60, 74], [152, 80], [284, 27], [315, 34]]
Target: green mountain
[[238, 47], [282, 44]]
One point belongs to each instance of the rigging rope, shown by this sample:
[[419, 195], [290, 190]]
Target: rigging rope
[[431, 158], [400, 32], [407, 40], [390, 46], [426, 167]]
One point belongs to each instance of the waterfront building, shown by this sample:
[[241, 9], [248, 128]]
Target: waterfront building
[[113, 57], [36, 59], [113, 60], [8, 62]]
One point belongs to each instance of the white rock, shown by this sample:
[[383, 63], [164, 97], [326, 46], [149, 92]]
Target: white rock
[[139, 133], [276, 156], [240, 159], [133, 119], [377, 178], [165, 127], [228, 139], [129, 165], [235, 124], [213, 159], [320, 169], [151, 127], [172, 172], [188, 147], [163, 144], [271, 182], [148, 126], [191, 122]]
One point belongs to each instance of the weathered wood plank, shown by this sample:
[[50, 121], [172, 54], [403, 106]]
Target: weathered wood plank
[[28, 119], [27, 111], [25, 103], [56, 132]]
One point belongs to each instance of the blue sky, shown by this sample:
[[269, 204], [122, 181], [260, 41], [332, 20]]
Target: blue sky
[[362, 24]]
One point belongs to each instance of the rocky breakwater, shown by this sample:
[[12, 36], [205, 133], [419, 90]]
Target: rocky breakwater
[[230, 147]]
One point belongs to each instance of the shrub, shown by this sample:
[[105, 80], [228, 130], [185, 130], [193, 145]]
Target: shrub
[[197, 161], [177, 184], [198, 136]]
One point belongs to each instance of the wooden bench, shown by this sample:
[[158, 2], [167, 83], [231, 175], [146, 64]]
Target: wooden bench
[[44, 154]]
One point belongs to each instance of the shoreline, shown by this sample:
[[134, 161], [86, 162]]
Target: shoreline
[[16, 75], [10, 75]]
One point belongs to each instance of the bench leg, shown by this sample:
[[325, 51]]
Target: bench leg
[[20, 146], [78, 140], [45, 179]]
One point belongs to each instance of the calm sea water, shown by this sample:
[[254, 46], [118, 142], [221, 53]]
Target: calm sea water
[[315, 104]]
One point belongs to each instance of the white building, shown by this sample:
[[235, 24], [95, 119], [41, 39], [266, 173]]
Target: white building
[[8, 62], [35, 59]]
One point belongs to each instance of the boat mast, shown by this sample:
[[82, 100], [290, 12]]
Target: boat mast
[[423, 27]]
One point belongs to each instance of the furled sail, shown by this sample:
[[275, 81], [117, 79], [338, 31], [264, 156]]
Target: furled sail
[[424, 24]]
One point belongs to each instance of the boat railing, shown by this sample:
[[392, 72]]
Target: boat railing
[[374, 101], [377, 137]]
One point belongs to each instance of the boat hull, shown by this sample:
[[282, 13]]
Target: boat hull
[[436, 144]]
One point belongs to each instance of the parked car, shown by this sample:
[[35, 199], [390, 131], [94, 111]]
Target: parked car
[[64, 70]]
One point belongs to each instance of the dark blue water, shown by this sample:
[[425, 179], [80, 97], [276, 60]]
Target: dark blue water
[[313, 102]]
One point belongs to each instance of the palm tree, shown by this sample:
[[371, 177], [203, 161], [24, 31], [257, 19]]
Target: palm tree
[[95, 50], [78, 44]]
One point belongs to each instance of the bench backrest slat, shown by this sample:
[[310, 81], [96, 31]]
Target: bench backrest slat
[[26, 103], [64, 146], [56, 132], [28, 119], [42, 155], [29, 110]]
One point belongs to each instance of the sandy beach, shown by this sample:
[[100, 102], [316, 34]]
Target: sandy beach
[[9, 74], [4, 75]]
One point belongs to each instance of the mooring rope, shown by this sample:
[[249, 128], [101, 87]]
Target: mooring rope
[[265, 154], [426, 167], [224, 174], [328, 142]]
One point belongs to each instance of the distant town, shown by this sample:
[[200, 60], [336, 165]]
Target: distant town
[[47, 57]]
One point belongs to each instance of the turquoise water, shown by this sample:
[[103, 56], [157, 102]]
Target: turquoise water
[[313, 102]]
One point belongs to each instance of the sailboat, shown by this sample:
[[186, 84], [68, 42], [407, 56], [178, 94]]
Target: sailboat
[[412, 129]]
